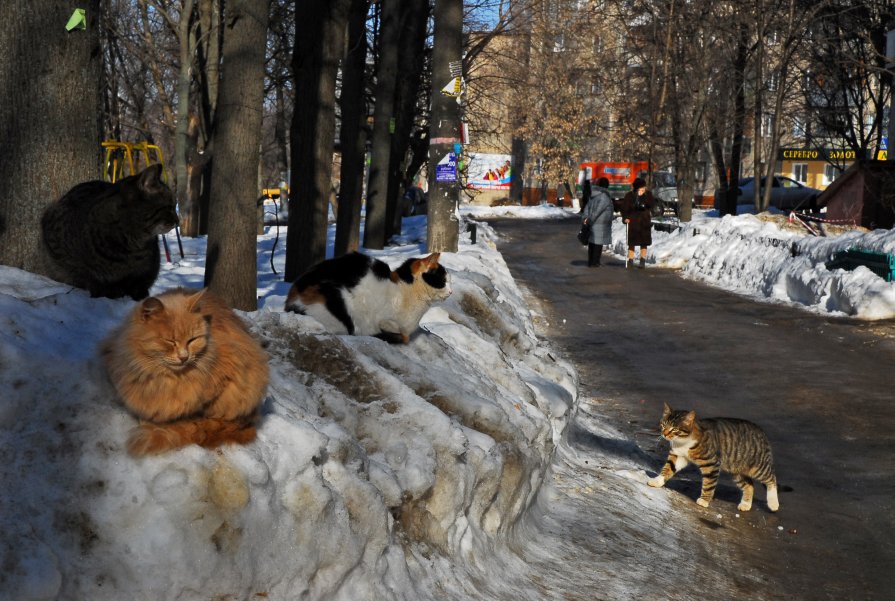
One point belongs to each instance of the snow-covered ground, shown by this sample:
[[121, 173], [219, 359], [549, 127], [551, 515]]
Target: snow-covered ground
[[380, 472]]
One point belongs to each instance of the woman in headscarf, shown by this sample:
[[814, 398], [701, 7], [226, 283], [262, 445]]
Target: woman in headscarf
[[635, 210]]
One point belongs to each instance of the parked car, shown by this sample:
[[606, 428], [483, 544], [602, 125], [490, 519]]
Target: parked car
[[786, 193]]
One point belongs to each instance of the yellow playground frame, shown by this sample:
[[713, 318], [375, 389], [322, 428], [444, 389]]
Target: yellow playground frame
[[134, 157]]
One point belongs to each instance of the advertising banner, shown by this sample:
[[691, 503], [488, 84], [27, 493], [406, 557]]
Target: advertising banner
[[488, 171]]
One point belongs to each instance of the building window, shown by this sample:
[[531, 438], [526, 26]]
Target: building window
[[767, 125], [831, 172], [800, 172], [559, 43], [798, 128]]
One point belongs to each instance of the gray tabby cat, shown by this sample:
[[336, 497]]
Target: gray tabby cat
[[103, 237], [736, 446]]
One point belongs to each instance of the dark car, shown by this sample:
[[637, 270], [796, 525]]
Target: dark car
[[664, 191], [786, 193]]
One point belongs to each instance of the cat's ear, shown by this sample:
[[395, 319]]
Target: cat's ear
[[194, 302], [151, 177], [151, 307], [666, 410], [689, 419], [432, 260]]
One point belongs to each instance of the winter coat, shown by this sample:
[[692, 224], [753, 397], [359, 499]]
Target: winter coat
[[640, 230], [598, 214], [586, 193]]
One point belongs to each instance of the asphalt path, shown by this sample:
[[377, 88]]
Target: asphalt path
[[822, 388]]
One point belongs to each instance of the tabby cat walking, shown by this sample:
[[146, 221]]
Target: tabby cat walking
[[736, 446], [185, 365]]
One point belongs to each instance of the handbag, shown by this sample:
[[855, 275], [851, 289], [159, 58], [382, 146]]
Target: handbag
[[584, 234]]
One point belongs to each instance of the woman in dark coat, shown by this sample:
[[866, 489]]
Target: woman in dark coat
[[585, 194], [635, 210]]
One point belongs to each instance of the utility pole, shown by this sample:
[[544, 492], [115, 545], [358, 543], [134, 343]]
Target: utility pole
[[890, 63], [444, 127]]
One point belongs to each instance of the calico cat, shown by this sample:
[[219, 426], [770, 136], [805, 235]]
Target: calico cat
[[361, 295], [736, 446], [185, 364], [102, 236]]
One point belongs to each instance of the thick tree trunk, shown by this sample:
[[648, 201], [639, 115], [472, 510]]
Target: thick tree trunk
[[50, 118], [231, 262], [353, 132], [444, 129], [383, 125], [319, 38]]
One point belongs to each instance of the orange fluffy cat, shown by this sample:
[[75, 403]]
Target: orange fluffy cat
[[185, 364]]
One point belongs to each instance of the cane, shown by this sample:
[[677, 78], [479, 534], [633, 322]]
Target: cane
[[627, 223]]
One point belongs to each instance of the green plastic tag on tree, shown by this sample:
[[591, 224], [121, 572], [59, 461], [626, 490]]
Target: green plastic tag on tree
[[391, 125], [77, 20]]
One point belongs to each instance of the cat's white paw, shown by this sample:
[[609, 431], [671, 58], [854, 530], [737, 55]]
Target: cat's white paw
[[773, 505], [743, 506], [702, 502], [656, 482]]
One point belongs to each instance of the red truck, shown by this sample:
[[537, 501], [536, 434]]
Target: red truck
[[621, 175]]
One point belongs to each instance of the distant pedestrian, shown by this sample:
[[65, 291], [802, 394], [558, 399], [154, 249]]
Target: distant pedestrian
[[598, 216], [635, 210], [586, 192]]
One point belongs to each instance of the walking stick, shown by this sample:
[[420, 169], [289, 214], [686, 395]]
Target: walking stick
[[627, 223]]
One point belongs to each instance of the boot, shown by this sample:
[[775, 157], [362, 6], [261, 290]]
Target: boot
[[642, 263]]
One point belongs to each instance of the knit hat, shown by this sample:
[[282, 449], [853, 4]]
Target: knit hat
[[638, 183]]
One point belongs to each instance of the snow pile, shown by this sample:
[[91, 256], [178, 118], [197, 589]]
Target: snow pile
[[369, 456], [768, 260]]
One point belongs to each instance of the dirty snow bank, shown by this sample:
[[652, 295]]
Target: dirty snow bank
[[369, 456], [754, 257]]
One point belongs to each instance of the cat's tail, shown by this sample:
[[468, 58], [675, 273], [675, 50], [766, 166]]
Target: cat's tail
[[152, 439]]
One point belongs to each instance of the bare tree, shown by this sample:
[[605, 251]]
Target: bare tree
[[353, 133], [231, 263], [319, 46], [375, 227], [38, 164]]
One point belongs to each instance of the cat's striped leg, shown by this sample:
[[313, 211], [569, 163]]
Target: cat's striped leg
[[673, 464], [710, 472], [748, 487], [773, 503]]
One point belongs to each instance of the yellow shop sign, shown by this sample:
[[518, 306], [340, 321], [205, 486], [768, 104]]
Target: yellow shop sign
[[818, 154]]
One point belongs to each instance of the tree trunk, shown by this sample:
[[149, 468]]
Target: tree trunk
[[353, 132], [444, 128], [50, 118], [231, 268], [182, 127], [208, 59], [739, 118], [319, 38], [412, 41], [383, 125]]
